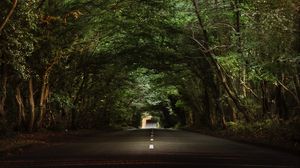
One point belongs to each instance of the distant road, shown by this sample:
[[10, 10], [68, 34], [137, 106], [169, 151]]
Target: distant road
[[153, 148]]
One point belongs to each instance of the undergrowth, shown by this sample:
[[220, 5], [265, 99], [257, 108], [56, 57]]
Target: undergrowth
[[283, 134]]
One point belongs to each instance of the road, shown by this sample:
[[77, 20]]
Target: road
[[152, 148]]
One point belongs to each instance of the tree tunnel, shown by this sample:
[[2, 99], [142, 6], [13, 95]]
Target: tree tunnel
[[99, 64]]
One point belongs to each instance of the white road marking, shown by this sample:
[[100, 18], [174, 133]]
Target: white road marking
[[151, 139], [151, 146]]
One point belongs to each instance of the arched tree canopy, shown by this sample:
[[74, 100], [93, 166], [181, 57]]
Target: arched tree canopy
[[191, 63]]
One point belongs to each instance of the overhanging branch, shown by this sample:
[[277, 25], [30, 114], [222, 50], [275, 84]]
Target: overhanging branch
[[9, 14]]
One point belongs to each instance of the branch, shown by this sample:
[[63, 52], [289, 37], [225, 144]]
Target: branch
[[225, 25], [9, 14], [288, 90], [53, 62], [203, 48], [247, 87]]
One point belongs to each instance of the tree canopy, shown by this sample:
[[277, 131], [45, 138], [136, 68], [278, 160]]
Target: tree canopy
[[192, 63]]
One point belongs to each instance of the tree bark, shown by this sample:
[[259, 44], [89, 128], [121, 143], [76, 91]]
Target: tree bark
[[3, 91], [231, 109], [21, 112], [32, 105], [243, 73], [281, 107], [207, 109], [8, 15], [193, 96], [74, 111], [43, 99], [264, 99], [45, 89], [297, 85], [219, 108]]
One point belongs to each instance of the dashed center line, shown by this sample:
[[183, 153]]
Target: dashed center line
[[151, 146]]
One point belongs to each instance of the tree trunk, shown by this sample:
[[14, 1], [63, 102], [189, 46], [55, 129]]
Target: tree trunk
[[232, 110], [208, 114], [220, 111], [21, 112], [281, 107], [264, 100], [43, 99], [32, 105], [3, 92], [193, 97], [297, 85], [237, 12], [74, 111], [45, 88]]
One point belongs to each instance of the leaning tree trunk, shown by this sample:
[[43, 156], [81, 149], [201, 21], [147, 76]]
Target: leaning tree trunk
[[45, 89], [8, 15]]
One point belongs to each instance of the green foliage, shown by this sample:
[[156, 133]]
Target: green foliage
[[270, 131], [61, 100], [18, 40], [143, 91], [233, 62]]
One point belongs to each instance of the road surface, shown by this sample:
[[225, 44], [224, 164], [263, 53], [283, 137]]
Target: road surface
[[152, 148]]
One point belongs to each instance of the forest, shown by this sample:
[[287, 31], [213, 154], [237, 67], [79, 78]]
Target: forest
[[228, 65]]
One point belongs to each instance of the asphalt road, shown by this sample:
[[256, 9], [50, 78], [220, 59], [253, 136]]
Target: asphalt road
[[152, 148]]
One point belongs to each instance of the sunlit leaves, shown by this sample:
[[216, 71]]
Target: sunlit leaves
[[148, 86]]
